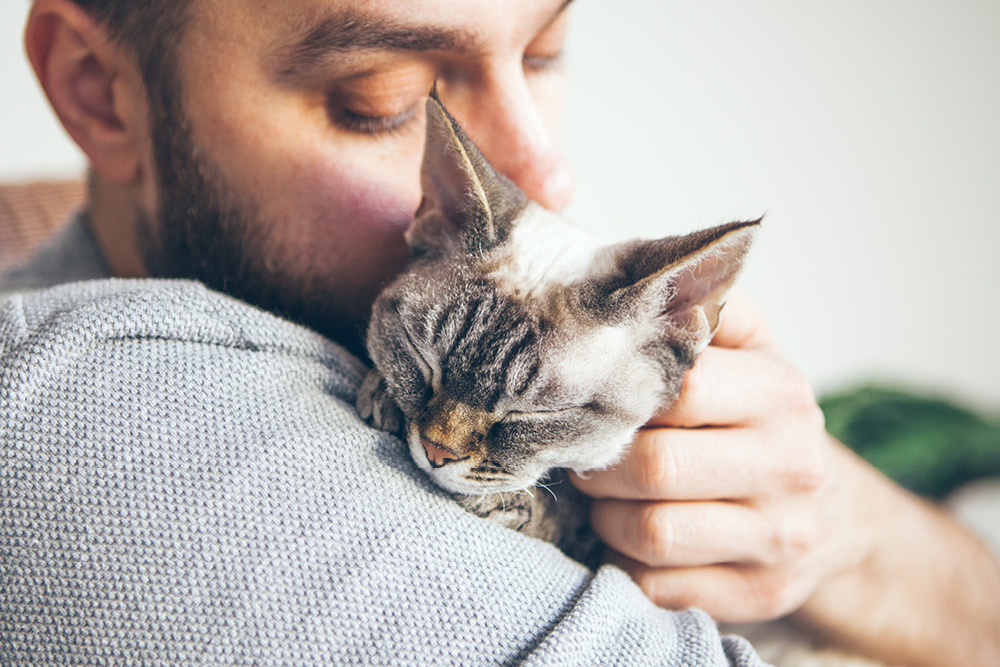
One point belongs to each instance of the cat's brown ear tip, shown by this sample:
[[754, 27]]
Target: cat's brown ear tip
[[437, 114], [749, 227], [434, 103]]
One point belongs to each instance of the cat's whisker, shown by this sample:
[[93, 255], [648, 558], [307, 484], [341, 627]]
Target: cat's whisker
[[551, 492], [528, 491]]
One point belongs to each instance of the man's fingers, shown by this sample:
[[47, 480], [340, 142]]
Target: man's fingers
[[741, 325], [679, 464], [683, 534], [729, 593], [704, 464], [736, 387]]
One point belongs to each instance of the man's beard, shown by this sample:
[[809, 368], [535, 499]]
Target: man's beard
[[204, 232]]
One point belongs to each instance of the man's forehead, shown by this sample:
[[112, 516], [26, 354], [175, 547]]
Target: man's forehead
[[305, 27]]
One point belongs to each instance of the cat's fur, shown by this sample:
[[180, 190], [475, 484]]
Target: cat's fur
[[515, 345]]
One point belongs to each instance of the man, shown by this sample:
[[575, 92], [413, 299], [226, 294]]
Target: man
[[271, 151]]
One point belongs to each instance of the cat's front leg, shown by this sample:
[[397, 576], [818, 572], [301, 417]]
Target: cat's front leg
[[555, 512], [516, 511], [377, 407]]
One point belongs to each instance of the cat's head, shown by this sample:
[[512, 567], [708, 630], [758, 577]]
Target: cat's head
[[512, 348]]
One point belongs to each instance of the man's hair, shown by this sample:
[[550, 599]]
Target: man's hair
[[150, 29]]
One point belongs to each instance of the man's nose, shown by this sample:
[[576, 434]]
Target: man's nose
[[506, 123]]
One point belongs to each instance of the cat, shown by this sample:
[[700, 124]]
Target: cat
[[515, 346]]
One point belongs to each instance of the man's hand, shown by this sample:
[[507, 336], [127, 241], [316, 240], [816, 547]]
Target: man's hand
[[737, 501], [722, 500]]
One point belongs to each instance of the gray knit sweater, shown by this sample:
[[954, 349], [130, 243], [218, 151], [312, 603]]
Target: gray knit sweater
[[184, 480]]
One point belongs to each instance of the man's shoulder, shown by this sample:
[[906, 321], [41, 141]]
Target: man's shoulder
[[176, 462], [69, 255], [77, 318]]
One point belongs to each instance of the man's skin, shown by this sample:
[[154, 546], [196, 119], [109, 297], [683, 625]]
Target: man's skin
[[312, 154]]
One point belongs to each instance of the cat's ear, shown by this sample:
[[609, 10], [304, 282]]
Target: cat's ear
[[465, 198], [681, 281]]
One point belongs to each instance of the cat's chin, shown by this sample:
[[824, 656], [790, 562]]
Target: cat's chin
[[454, 480], [454, 476], [477, 490]]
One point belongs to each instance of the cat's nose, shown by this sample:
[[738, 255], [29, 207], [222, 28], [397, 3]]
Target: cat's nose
[[437, 455]]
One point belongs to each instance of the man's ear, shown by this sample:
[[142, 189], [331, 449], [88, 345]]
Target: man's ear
[[93, 85]]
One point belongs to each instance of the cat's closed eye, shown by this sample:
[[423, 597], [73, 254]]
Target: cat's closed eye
[[538, 414], [539, 429]]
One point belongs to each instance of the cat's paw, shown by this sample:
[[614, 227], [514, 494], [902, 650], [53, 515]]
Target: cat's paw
[[377, 407], [514, 512]]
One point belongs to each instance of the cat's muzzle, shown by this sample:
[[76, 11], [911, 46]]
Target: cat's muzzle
[[438, 455]]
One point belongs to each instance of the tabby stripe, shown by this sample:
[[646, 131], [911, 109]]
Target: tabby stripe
[[516, 378], [460, 337], [440, 320]]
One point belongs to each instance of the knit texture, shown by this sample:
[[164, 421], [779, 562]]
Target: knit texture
[[184, 480], [68, 255]]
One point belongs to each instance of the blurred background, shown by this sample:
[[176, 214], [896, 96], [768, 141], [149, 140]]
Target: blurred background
[[867, 131]]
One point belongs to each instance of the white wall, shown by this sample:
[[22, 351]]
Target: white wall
[[867, 130]]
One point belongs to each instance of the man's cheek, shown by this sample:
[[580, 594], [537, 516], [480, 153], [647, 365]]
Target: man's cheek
[[346, 224], [378, 206], [365, 207]]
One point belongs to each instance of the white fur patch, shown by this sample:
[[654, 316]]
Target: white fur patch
[[544, 251]]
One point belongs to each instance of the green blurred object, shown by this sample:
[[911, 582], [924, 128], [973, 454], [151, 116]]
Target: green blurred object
[[929, 445]]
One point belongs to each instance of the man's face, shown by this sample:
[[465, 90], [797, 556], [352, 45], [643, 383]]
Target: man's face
[[297, 170]]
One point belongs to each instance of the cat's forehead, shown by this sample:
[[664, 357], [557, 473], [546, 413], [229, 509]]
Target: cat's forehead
[[588, 355], [543, 253]]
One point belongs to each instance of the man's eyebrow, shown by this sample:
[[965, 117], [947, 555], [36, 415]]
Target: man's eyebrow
[[352, 31]]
